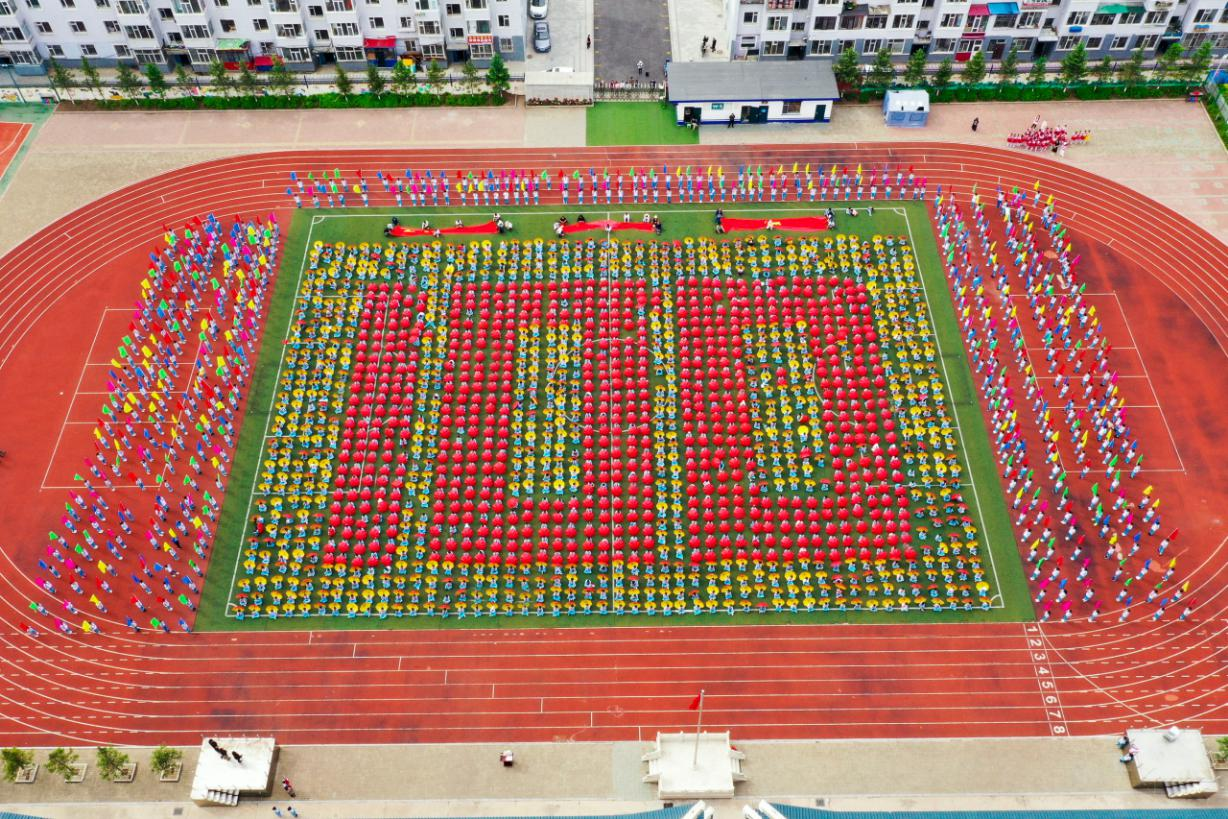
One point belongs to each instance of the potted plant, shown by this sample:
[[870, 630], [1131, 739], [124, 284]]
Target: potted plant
[[19, 765], [167, 763], [65, 762], [114, 765], [1219, 759]]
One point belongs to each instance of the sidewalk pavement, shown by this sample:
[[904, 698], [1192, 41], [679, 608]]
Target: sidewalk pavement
[[693, 20], [1166, 149], [561, 779]]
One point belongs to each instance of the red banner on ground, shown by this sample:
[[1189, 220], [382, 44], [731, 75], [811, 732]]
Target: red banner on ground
[[794, 223], [607, 224], [485, 227]]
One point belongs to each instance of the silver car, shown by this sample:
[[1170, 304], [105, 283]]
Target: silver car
[[538, 9], [541, 36]]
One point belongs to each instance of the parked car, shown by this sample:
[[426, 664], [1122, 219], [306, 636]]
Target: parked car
[[541, 36], [538, 9]]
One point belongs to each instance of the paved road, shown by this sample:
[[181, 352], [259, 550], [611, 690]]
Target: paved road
[[627, 31]]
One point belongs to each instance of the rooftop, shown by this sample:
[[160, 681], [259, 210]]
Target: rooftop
[[758, 81]]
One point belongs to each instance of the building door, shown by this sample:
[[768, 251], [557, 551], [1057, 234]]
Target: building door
[[796, 52], [748, 113], [996, 49], [692, 114]]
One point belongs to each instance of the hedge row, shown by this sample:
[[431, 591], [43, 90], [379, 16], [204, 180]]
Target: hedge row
[[1043, 92], [327, 100]]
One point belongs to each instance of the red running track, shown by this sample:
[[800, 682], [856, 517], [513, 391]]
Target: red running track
[[12, 135], [766, 681]]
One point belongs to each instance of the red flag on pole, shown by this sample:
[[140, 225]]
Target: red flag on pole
[[695, 703]]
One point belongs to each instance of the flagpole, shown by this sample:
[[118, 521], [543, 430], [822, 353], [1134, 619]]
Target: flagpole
[[699, 723]]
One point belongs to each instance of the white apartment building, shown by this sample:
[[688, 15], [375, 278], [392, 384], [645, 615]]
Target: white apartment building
[[794, 29], [303, 33]]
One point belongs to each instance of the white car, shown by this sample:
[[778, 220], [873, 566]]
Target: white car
[[538, 9]]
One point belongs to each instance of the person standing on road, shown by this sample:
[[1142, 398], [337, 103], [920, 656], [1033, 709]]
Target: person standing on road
[[639, 67], [732, 119], [976, 123]]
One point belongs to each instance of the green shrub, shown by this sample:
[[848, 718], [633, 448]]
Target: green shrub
[[164, 759], [61, 761], [110, 761], [14, 760]]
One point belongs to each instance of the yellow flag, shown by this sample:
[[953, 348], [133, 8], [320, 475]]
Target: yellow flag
[[794, 167], [1036, 187]]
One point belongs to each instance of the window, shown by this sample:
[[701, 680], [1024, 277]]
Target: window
[[315, 11], [777, 23], [456, 33], [1119, 43], [138, 32], [174, 38], [951, 21], [77, 27], [260, 24], [476, 5], [481, 51], [1204, 16], [296, 55], [428, 27], [111, 26], [55, 51], [851, 21], [407, 24], [1100, 19], [289, 30], [876, 21], [350, 55], [1223, 18], [791, 107], [88, 50], [195, 32], [503, 21], [1078, 18], [68, 4], [1005, 20], [773, 48], [228, 26], [12, 34], [896, 46], [871, 46], [201, 56], [433, 51], [344, 29], [800, 25], [377, 22], [166, 14], [43, 27], [821, 47], [321, 34], [1094, 43], [423, 5], [1025, 44], [1147, 41], [750, 18], [506, 44], [1068, 42], [903, 21], [123, 52], [1029, 19], [1155, 18], [944, 45], [824, 23], [254, 2], [147, 56], [30, 4], [452, 8]]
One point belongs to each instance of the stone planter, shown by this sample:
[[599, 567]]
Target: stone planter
[[27, 775], [172, 774], [79, 769], [127, 773]]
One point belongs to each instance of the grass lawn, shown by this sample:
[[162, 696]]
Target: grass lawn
[[636, 123], [984, 498]]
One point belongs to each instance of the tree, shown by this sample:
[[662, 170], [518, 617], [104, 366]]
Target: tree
[[129, 81], [1167, 62], [882, 73], [1036, 74], [92, 79], [942, 78], [848, 69], [1104, 69], [345, 86], [1074, 65], [470, 78], [249, 86], [281, 80], [497, 77], [164, 759], [14, 760], [61, 760], [1009, 70], [403, 79], [157, 80], [1199, 63], [1131, 71], [375, 80], [183, 78], [221, 79], [974, 69], [435, 75], [110, 762], [914, 72], [62, 79]]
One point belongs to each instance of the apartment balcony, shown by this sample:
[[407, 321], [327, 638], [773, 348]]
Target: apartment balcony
[[132, 12]]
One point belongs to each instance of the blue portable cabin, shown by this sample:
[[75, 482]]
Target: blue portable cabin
[[909, 108]]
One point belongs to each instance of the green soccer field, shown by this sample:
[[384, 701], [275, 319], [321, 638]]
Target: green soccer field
[[980, 487]]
